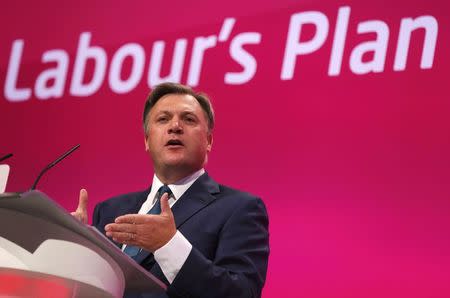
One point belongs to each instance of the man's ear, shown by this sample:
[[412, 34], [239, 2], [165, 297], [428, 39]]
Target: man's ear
[[210, 142], [146, 143]]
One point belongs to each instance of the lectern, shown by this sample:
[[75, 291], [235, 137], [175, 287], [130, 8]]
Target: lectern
[[39, 240]]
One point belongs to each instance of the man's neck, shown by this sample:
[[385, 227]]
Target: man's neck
[[171, 177]]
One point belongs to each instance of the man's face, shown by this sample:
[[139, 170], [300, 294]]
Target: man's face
[[178, 137]]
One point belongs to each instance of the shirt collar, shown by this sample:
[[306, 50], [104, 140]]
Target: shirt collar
[[178, 188]]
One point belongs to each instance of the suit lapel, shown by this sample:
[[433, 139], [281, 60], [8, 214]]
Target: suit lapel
[[198, 196], [142, 196]]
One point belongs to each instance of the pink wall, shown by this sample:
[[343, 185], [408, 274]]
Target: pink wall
[[354, 168]]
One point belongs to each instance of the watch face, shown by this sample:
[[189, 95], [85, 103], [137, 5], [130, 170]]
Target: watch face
[[4, 172]]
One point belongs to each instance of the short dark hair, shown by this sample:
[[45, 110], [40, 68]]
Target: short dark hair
[[174, 88]]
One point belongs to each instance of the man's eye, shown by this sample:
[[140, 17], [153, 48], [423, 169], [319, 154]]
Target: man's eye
[[190, 119], [161, 119]]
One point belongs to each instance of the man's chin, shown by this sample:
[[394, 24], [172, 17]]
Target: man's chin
[[175, 162]]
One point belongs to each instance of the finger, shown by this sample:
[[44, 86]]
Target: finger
[[128, 218], [123, 237], [83, 200], [165, 207], [123, 227], [134, 219]]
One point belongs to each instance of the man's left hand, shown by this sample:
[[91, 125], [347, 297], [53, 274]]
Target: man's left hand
[[147, 231]]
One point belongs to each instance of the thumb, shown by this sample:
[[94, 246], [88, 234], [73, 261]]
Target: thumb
[[83, 200], [165, 207]]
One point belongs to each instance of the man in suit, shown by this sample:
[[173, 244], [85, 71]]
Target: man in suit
[[200, 238]]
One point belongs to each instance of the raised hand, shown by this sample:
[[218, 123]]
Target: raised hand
[[148, 231], [81, 213]]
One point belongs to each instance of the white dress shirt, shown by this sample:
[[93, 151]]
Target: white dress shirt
[[174, 253]]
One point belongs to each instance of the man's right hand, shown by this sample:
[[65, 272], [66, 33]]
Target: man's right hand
[[81, 213]]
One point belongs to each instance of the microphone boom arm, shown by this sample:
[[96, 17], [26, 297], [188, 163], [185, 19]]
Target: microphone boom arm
[[52, 165]]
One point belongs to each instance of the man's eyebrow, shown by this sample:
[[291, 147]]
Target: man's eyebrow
[[163, 112], [184, 113]]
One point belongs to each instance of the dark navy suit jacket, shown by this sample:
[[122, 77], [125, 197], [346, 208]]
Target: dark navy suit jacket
[[228, 230]]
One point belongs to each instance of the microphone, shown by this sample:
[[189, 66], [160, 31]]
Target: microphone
[[5, 157], [53, 164]]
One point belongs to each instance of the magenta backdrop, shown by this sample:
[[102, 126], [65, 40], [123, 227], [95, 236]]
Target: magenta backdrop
[[354, 168]]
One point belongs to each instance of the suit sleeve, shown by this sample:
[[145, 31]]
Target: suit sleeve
[[96, 220], [240, 264]]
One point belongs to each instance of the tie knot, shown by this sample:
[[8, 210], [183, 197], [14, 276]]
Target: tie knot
[[163, 189]]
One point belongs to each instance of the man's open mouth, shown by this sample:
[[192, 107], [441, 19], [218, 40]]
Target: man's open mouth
[[174, 142]]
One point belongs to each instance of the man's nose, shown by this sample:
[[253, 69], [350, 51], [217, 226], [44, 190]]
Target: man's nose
[[175, 126]]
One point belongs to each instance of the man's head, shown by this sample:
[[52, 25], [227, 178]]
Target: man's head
[[173, 88], [178, 125]]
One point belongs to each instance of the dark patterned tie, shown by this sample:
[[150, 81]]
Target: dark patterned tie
[[156, 209], [131, 250]]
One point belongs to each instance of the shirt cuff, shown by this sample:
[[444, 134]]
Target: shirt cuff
[[172, 255]]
